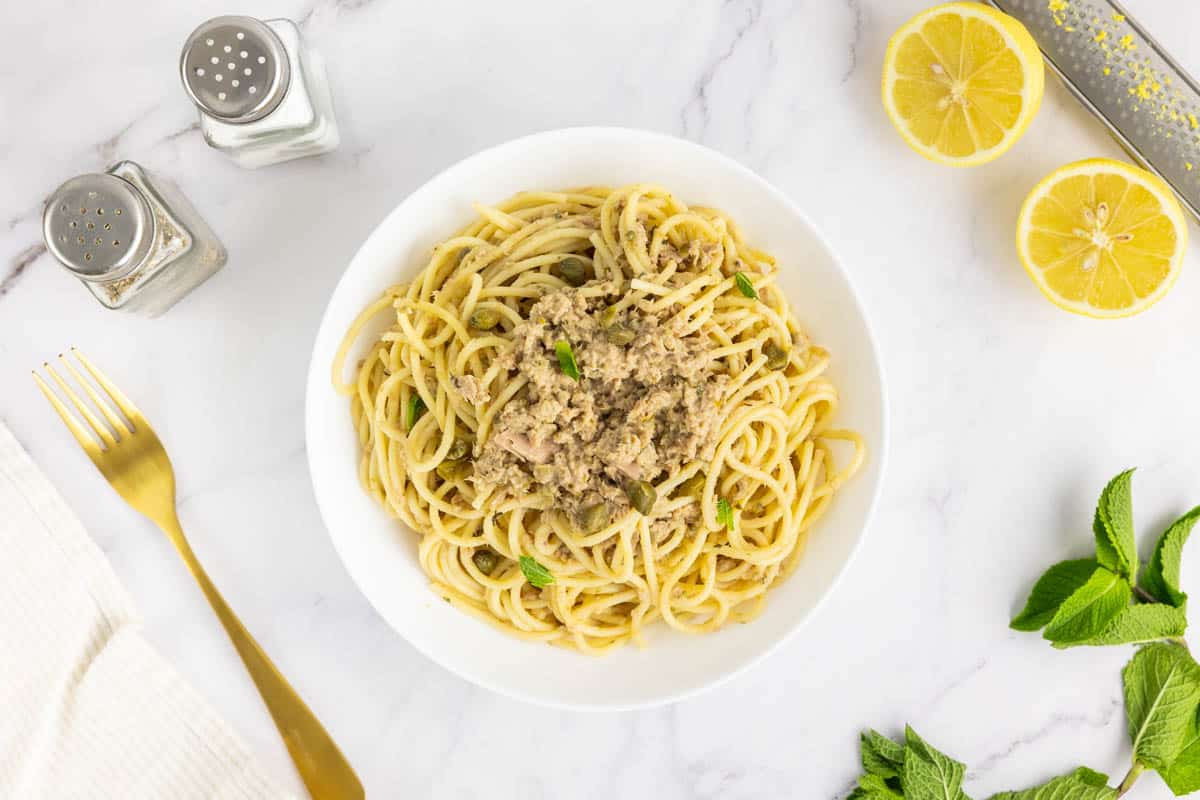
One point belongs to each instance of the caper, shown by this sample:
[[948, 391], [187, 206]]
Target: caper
[[485, 559], [608, 316], [484, 319], [620, 334], [642, 495], [453, 470], [594, 517], [458, 449], [777, 357], [692, 487], [573, 271]]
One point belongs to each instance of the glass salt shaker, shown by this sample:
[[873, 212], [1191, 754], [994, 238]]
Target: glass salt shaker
[[262, 92], [133, 239]]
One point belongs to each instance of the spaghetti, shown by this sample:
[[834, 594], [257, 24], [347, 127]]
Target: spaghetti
[[716, 532]]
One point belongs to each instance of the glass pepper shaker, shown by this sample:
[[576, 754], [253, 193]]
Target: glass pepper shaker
[[262, 92], [133, 239]]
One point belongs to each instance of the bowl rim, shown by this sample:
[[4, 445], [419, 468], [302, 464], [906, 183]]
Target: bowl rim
[[317, 376]]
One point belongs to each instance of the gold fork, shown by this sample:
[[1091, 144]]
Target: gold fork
[[134, 461]]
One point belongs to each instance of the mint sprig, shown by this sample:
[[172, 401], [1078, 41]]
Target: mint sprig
[[1089, 601]]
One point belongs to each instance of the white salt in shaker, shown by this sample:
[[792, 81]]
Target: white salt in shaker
[[132, 238], [262, 92]]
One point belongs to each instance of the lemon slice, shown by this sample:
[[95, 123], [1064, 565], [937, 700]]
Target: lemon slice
[[961, 82], [1102, 238]]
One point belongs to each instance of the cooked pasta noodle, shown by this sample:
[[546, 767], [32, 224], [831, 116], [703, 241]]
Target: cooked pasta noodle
[[703, 555]]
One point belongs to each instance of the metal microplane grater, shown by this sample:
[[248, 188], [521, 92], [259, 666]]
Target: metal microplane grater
[[235, 69], [1113, 66]]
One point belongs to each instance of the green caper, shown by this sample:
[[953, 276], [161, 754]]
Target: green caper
[[459, 449], [642, 495], [485, 559], [594, 517], [620, 334], [484, 319], [777, 357], [454, 470], [573, 271], [608, 316], [692, 487]]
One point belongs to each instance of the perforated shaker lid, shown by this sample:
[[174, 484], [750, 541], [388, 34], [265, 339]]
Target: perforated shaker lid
[[98, 225], [235, 69]]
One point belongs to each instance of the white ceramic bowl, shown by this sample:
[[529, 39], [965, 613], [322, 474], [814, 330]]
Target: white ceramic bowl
[[380, 553]]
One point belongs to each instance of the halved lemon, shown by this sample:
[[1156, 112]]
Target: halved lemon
[[962, 82], [1102, 238]]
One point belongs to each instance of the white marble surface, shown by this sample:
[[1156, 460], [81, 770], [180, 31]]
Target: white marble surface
[[1008, 414]]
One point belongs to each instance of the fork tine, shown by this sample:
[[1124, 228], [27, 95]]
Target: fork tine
[[97, 426], [127, 408], [105, 407], [80, 433]]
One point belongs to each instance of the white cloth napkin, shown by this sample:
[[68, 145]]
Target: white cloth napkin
[[88, 709]]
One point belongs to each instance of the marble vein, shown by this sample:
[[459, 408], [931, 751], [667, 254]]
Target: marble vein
[[1100, 719], [700, 98], [18, 265], [856, 15]]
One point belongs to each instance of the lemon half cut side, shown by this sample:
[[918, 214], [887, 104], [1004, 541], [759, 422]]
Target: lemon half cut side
[[962, 82], [1102, 238]]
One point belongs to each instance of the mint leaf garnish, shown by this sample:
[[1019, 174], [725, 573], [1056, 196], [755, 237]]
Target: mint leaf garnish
[[1113, 527], [537, 575], [566, 359], [1139, 624], [416, 407], [880, 755], [1183, 776], [745, 286], [1051, 591], [1161, 577], [1162, 691], [724, 513], [1089, 609], [928, 774], [1082, 784]]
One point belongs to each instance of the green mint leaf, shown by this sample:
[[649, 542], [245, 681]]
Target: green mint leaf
[[566, 359], [1162, 690], [1183, 776], [928, 774], [745, 286], [1161, 577], [873, 787], [1082, 784], [1113, 527], [1089, 609], [416, 408], [880, 755], [1051, 591], [1139, 624], [724, 513], [537, 575]]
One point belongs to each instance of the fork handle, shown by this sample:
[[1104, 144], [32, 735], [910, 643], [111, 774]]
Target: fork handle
[[325, 771]]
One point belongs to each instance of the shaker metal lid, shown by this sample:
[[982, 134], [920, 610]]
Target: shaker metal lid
[[235, 69], [98, 225]]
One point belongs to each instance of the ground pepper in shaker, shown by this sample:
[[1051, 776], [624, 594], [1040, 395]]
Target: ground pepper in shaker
[[261, 91], [133, 239]]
